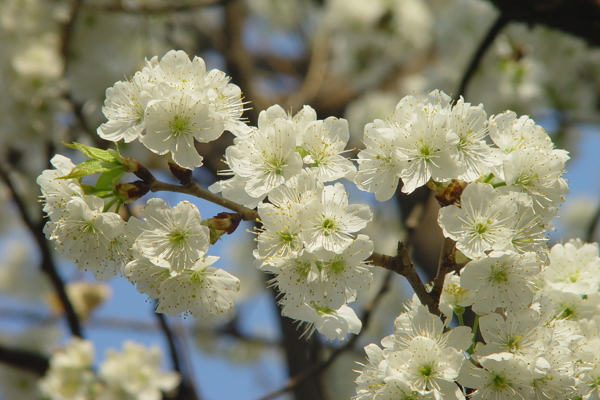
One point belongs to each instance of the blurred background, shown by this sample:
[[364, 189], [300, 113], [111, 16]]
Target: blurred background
[[351, 59]]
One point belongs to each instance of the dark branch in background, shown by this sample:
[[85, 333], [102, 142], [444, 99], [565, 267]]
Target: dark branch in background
[[186, 389], [593, 228], [315, 369], [577, 17], [47, 263], [26, 360], [118, 6], [485, 44], [446, 264]]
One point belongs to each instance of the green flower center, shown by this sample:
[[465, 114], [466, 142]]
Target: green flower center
[[498, 382], [179, 125], [178, 236]]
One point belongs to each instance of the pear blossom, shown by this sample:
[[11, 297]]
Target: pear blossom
[[574, 267], [502, 279], [175, 122], [483, 222], [135, 374], [56, 193], [503, 376], [85, 234], [333, 324], [330, 222], [200, 290], [172, 237]]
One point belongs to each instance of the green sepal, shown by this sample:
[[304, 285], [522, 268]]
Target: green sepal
[[110, 155], [90, 167]]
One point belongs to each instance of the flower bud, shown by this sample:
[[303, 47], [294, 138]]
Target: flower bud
[[132, 191], [183, 175], [448, 195], [222, 223], [132, 165]]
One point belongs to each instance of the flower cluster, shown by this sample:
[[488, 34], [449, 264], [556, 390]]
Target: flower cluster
[[537, 310], [164, 253], [133, 374], [307, 239], [170, 104]]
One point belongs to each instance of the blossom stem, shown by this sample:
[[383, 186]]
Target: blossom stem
[[461, 321], [402, 265], [475, 328]]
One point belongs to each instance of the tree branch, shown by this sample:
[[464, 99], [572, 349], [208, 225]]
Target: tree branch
[[402, 265], [485, 44], [47, 262], [576, 17], [26, 360]]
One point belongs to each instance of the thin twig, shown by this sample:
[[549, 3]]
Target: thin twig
[[402, 265], [487, 41], [447, 262], [47, 262], [196, 190], [186, 391], [317, 69]]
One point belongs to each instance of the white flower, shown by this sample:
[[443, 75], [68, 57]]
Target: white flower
[[482, 223], [125, 109], [342, 275], [266, 158], [419, 322], [70, 376], [173, 237], [470, 124], [334, 324], [279, 239], [56, 193], [500, 280], [85, 233], [175, 122], [323, 143], [146, 276], [454, 297], [372, 378], [537, 174], [520, 333], [200, 290], [135, 374], [428, 368], [181, 73], [574, 267], [379, 165], [510, 133], [424, 137], [503, 377], [329, 223], [225, 98]]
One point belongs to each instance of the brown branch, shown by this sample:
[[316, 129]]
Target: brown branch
[[186, 389], [154, 9], [47, 264], [22, 359], [485, 44], [447, 262], [402, 265], [576, 17], [316, 72], [196, 190]]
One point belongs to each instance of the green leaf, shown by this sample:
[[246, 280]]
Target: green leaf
[[91, 167], [109, 179], [110, 156]]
